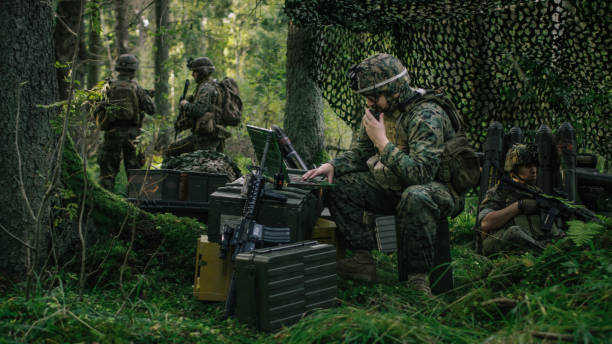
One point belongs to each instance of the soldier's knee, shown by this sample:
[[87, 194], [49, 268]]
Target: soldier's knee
[[415, 198]]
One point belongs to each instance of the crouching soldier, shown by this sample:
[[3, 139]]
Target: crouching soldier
[[120, 116], [510, 219]]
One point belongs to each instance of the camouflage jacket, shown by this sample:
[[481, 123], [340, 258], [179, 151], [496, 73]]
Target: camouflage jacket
[[416, 141], [145, 102], [203, 99], [499, 197]]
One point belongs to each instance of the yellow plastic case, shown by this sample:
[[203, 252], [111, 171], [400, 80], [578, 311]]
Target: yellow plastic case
[[212, 275]]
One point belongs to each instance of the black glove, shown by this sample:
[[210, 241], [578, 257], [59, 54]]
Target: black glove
[[528, 206]]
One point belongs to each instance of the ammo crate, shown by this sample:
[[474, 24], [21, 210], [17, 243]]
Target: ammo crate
[[197, 186], [197, 210], [153, 184], [276, 286], [325, 231], [299, 213], [385, 233], [212, 275]]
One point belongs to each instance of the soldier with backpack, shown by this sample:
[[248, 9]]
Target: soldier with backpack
[[213, 106], [120, 116], [407, 161]]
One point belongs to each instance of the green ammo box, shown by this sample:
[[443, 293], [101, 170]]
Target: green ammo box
[[299, 213], [276, 286], [197, 186], [153, 184]]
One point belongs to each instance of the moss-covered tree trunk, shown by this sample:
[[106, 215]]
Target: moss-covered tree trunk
[[161, 69], [304, 110], [28, 81]]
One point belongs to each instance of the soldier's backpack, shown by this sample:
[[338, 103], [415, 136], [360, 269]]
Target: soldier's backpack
[[122, 102], [229, 105], [459, 165]]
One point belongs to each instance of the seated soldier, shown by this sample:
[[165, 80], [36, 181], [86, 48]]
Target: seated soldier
[[393, 168], [510, 220]]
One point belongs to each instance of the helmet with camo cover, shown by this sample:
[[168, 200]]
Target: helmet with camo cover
[[380, 73], [520, 154], [126, 63], [201, 64]]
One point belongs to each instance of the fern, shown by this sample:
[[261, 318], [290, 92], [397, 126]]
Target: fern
[[583, 233]]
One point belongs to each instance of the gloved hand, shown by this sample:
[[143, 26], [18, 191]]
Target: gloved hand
[[528, 206]]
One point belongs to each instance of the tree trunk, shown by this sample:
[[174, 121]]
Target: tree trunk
[[29, 80], [304, 109], [95, 46], [65, 37], [161, 57], [121, 26]]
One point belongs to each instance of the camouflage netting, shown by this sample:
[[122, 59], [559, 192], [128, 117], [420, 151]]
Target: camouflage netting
[[519, 62], [204, 161]]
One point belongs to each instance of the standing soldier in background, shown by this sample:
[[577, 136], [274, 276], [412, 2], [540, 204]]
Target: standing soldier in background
[[197, 113], [120, 116], [395, 167]]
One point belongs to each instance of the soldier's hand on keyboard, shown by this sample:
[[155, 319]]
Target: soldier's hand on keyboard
[[326, 170]]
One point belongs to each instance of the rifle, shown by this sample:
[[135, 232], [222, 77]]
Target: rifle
[[292, 158], [181, 115], [553, 206], [245, 236]]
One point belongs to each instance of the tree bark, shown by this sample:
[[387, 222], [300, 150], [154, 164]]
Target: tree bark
[[161, 56], [121, 26], [65, 37], [303, 121], [95, 46], [29, 80]]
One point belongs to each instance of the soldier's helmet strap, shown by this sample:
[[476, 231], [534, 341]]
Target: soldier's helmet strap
[[383, 83]]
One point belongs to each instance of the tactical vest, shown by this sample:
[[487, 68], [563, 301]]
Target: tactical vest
[[122, 102]]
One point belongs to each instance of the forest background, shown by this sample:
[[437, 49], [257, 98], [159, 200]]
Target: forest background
[[99, 270]]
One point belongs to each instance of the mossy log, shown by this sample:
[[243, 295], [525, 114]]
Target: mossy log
[[161, 241]]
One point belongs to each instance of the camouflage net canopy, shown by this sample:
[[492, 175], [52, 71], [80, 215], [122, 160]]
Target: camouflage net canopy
[[522, 63]]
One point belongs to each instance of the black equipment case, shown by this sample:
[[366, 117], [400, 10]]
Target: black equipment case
[[276, 286]]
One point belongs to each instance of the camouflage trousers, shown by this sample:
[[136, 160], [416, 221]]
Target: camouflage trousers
[[418, 209], [511, 239], [193, 143], [117, 142]]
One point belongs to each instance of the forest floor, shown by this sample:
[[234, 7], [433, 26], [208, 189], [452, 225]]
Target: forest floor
[[562, 295]]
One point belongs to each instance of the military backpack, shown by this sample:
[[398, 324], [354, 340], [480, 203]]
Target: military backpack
[[122, 102], [459, 165], [228, 108]]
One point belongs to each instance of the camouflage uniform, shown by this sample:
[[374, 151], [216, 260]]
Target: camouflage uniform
[[401, 179], [523, 232], [205, 134], [122, 137]]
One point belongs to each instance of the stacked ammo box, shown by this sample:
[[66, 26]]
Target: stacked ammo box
[[183, 193], [278, 285]]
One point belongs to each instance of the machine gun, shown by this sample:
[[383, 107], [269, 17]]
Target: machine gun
[[179, 124], [245, 236], [292, 158], [553, 206]]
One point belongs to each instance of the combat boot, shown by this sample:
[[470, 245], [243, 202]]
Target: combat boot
[[360, 266], [419, 282]]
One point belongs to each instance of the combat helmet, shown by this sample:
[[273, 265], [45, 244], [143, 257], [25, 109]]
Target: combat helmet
[[203, 64], [520, 154], [126, 63], [380, 73]]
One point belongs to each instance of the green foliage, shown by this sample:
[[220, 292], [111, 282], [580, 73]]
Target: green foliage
[[583, 233]]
